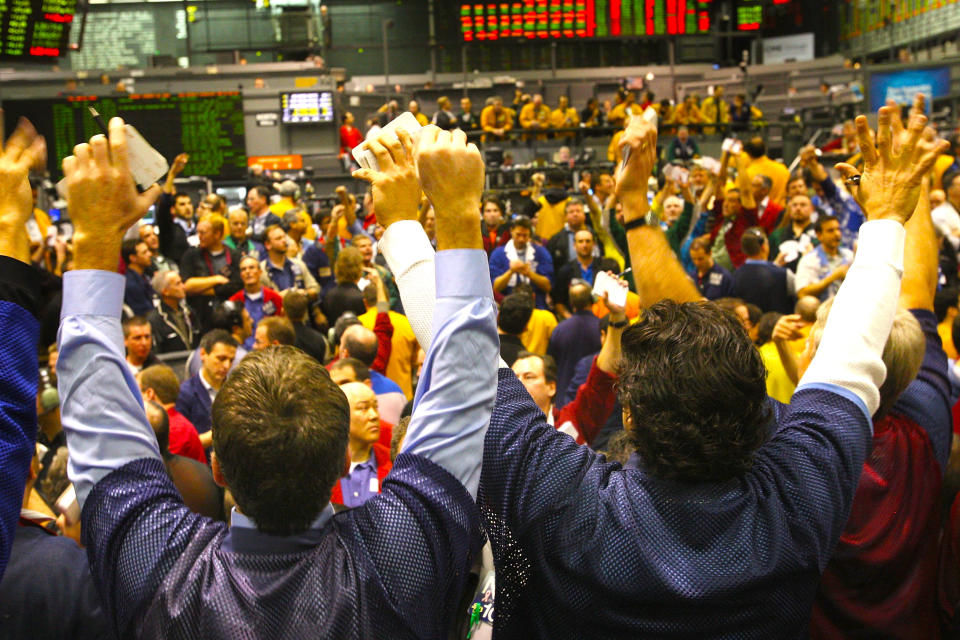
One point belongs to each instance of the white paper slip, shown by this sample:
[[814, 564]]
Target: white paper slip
[[405, 120], [614, 287], [146, 163]]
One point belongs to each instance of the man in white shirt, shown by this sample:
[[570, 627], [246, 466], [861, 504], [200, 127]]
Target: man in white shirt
[[821, 271], [946, 217]]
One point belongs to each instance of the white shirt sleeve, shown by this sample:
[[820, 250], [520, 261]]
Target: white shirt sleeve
[[807, 271], [411, 258]]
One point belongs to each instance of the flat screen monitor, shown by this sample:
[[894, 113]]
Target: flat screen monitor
[[902, 86], [307, 107]]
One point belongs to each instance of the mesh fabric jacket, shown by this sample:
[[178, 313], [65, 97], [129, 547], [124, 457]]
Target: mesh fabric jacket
[[393, 568], [586, 548]]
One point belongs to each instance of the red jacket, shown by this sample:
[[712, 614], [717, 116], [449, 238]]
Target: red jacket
[[731, 239], [384, 464], [591, 408], [769, 216], [184, 440], [269, 295], [383, 328]]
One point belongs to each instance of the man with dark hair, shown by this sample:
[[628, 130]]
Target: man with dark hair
[[197, 393], [174, 214], [522, 260], [192, 478], [562, 245], [515, 311], [795, 237], [274, 331], [759, 282], [713, 281], [584, 266], [821, 271], [258, 204], [137, 292], [233, 318], [158, 383], [281, 272], [172, 322], [310, 340], [575, 337], [138, 342], [714, 479], [280, 449]]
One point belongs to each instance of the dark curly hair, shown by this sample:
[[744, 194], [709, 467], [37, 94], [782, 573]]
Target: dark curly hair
[[695, 387]]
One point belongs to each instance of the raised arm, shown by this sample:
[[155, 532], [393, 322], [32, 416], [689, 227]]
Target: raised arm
[[101, 407], [657, 272], [20, 329], [849, 354], [396, 197]]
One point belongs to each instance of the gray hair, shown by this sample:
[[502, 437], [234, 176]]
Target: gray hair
[[159, 280]]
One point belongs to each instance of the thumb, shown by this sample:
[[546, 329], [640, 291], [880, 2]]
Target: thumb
[[150, 196], [846, 170], [364, 174]]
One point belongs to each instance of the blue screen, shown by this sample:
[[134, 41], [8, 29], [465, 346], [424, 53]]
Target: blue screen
[[902, 86]]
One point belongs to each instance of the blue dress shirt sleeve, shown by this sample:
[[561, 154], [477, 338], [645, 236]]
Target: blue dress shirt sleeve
[[101, 407], [454, 399]]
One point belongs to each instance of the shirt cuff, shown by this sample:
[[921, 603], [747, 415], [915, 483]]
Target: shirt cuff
[[463, 273], [404, 244], [90, 292], [881, 243]]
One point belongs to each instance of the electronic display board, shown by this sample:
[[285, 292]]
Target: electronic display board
[[208, 126], [306, 107], [576, 19], [903, 86], [35, 29]]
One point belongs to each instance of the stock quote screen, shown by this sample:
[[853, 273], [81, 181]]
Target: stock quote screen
[[35, 29], [208, 126], [577, 19]]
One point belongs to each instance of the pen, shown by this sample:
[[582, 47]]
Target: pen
[[103, 127]]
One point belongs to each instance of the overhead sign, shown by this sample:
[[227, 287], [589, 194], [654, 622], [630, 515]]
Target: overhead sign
[[796, 48], [276, 163]]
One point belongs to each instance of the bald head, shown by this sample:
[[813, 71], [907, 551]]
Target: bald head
[[360, 343], [581, 297], [807, 308], [356, 392]]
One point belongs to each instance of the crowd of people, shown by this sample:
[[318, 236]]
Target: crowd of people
[[747, 434], [537, 120]]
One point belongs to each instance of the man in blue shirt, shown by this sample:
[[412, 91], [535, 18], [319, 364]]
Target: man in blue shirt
[[712, 280], [723, 520], [137, 290], [288, 566], [522, 260], [281, 272]]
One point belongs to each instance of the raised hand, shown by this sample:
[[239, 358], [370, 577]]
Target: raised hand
[[102, 198], [21, 151], [396, 189], [451, 174], [889, 187], [788, 328], [639, 148]]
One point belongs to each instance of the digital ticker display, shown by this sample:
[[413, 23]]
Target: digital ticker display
[[306, 107], [575, 19], [208, 126], [35, 29]]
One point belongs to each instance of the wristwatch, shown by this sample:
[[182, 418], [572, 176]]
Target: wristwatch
[[635, 223], [619, 325]]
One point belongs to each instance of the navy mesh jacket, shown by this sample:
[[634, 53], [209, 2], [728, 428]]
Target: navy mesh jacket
[[586, 548], [393, 568]]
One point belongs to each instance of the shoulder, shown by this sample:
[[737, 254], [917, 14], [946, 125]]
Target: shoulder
[[238, 296]]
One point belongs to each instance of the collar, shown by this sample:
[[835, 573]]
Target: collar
[[203, 381], [755, 261], [550, 415], [273, 267], [243, 536], [253, 296], [763, 204]]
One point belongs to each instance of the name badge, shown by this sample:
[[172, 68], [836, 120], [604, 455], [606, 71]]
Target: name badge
[[374, 485], [716, 279]]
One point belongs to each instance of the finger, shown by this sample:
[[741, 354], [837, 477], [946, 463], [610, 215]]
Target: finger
[[924, 163], [884, 141], [35, 157], [428, 137], [919, 104], [472, 149], [82, 153], [118, 143], [20, 140], [360, 174], [915, 127], [867, 148], [384, 159], [98, 146], [69, 165], [406, 141], [392, 144], [458, 138], [848, 171], [896, 122], [148, 197], [443, 138]]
